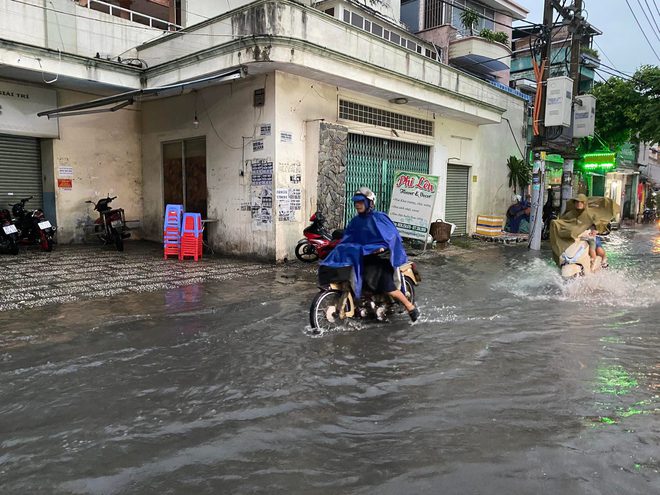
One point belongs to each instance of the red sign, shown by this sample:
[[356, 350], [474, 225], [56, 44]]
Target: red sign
[[65, 183]]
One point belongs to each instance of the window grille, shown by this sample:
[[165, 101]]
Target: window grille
[[375, 116]]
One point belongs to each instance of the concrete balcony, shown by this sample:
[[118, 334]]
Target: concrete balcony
[[479, 56]]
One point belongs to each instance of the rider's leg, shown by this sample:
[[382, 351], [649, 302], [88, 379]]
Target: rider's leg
[[398, 295]]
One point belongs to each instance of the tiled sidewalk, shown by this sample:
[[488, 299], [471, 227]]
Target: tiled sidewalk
[[72, 273]]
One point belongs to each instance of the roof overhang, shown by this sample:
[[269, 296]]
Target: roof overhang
[[119, 101]]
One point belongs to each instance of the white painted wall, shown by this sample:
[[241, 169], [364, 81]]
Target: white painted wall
[[104, 152], [226, 115], [72, 29]]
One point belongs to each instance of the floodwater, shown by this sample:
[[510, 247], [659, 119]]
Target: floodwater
[[512, 383]]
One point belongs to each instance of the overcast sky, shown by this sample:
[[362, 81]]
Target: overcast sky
[[621, 41]]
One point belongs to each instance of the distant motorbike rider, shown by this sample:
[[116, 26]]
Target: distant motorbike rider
[[367, 236]]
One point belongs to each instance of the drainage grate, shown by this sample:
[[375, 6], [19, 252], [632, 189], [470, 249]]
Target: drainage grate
[[369, 115]]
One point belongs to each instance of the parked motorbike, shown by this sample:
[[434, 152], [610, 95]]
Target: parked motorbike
[[33, 226], [110, 227], [575, 260], [336, 303], [318, 242], [649, 215], [8, 234]]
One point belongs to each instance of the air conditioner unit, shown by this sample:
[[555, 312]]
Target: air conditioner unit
[[584, 116], [559, 101], [525, 85]]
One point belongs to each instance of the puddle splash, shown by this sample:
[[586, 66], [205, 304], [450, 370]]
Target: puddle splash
[[540, 280]]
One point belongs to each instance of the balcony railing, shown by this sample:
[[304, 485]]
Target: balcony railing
[[130, 15]]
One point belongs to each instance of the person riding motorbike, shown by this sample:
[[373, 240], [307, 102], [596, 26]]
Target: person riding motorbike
[[596, 246], [368, 236]]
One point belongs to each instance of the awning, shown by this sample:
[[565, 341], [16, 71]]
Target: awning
[[116, 102]]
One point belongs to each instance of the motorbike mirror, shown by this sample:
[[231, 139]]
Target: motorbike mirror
[[90, 202]]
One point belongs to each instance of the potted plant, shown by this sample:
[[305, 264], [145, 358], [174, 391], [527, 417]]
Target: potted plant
[[520, 173], [469, 19]]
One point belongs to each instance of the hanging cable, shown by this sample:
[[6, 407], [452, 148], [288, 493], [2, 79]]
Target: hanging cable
[[642, 30]]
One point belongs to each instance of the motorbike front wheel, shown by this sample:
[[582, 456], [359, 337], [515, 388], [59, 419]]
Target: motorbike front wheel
[[306, 252], [410, 289], [324, 312]]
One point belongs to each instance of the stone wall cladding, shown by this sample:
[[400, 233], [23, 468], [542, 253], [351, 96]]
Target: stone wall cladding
[[333, 142]]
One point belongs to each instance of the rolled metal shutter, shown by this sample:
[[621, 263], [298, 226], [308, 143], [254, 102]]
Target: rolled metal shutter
[[456, 206], [20, 171]]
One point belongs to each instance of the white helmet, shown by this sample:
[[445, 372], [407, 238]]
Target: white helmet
[[367, 193]]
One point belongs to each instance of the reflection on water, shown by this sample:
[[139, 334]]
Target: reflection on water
[[512, 380]]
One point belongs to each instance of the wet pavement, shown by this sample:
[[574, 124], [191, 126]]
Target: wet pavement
[[73, 273], [513, 382]]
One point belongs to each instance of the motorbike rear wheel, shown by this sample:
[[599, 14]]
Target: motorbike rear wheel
[[119, 240], [324, 311], [45, 241], [306, 252]]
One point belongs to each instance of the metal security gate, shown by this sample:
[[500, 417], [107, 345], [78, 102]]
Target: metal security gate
[[372, 162], [20, 171], [456, 206]]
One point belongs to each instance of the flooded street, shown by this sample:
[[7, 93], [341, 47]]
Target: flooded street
[[512, 382]]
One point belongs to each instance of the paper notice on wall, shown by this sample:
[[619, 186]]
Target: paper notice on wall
[[288, 203], [284, 213], [295, 199], [262, 173], [262, 207], [286, 137], [65, 172], [261, 194], [258, 145], [265, 130]]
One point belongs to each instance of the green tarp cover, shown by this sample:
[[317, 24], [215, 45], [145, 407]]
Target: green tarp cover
[[564, 231]]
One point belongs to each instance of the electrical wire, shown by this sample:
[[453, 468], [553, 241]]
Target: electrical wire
[[656, 7], [603, 52], [654, 24], [642, 29], [513, 134]]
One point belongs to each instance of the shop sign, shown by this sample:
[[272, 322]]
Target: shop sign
[[19, 105], [413, 199]]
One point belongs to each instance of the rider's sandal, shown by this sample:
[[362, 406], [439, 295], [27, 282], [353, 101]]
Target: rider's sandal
[[604, 264], [414, 314]]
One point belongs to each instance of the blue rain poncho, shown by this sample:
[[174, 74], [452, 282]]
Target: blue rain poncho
[[366, 234]]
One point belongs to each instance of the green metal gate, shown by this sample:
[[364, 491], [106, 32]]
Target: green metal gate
[[372, 162]]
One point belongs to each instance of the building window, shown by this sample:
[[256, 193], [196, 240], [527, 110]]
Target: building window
[[377, 29], [357, 20], [330, 12], [433, 13], [347, 16], [349, 110], [486, 16]]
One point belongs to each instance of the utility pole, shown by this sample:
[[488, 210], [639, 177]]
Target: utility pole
[[538, 170], [575, 27]]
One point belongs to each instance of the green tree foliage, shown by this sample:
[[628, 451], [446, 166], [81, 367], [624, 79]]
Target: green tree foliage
[[629, 109], [520, 173], [469, 19]]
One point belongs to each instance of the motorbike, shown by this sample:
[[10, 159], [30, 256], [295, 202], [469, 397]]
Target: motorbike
[[8, 233], [336, 304], [649, 215], [33, 226], [318, 242], [110, 227], [575, 260]]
